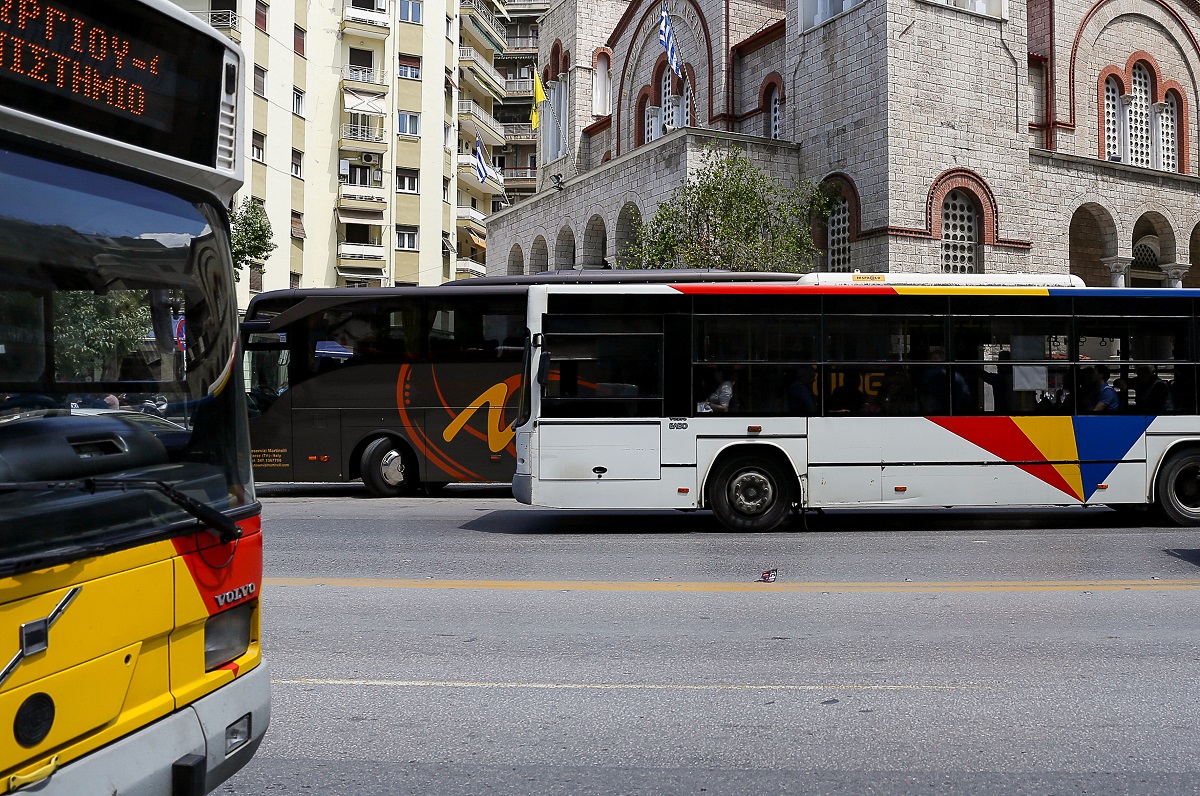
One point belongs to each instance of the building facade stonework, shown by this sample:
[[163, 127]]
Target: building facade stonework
[[964, 136]]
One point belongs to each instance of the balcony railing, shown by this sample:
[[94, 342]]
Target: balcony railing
[[469, 266], [480, 9], [520, 174], [221, 20], [522, 43], [378, 16], [478, 61], [362, 193], [518, 86], [356, 132], [365, 74], [471, 213], [515, 132], [526, 3], [483, 117], [361, 251]]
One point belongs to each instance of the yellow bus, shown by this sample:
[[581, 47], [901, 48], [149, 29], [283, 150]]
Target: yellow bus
[[130, 544]]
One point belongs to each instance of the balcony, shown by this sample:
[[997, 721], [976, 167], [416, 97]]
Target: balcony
[[361, 251], [490, 130], [361, 197], [479, 13], [361, 138], [520, 178], [467, 267], [226, 21], [473, 216], [518, 88], [522, 45], [494, 184], [365, 75], [480, 73], [367, 18], [525, 6], [520, 132]]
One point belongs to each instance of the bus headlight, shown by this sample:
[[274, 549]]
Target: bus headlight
[[227, 636]]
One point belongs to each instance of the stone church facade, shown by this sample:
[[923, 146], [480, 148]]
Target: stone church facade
[[965, 136]]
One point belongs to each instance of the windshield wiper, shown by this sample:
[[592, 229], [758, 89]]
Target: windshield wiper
[[225, 529]]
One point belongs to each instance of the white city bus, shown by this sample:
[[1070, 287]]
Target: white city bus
[[860, 390]]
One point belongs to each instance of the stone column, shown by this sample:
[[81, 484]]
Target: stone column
[[1175, 273], [1118, 268]]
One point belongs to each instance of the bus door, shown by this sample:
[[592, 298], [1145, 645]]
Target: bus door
[[268, 401], [602, 407]]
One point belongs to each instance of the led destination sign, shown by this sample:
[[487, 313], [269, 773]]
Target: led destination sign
[[120, 70]]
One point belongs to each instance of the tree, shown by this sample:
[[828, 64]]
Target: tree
[[732, 215], [249, 234], [95, 332]]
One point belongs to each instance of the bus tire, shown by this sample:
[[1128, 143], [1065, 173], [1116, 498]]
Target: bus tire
[[388, 469], [1179, 487], [750, 493]]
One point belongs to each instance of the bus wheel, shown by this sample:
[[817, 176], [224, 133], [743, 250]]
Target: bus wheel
[[1179, 488], [751, 494], [388, 469]]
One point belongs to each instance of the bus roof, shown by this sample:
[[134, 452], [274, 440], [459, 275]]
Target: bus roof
[[630, 276], [944, 280]]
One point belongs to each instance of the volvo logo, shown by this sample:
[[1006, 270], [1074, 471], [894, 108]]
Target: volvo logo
[[231, 596], [35, 635]]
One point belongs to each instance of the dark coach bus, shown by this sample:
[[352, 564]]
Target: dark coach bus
[[405, 388]]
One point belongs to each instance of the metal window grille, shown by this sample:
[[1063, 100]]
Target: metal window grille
[[959, 234], [838, 243], [776, 130], [1139, 119], [1144, 258], [1167, 125], [1112, 109]]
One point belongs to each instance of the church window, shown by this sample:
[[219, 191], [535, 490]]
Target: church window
[[1137, 130], [838, 229], [960, 234]]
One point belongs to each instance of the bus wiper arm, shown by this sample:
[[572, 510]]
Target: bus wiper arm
[[225, 529]]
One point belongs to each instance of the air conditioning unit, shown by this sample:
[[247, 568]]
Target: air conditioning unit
[[369, 158]]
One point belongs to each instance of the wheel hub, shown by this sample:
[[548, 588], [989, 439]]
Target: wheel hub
[[391, 468], [751, 493]]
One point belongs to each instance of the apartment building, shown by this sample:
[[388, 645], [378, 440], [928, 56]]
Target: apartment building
[[351, 137]]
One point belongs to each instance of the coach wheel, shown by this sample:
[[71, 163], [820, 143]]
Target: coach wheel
[[751, 494], [1179, 488], [388, 469]]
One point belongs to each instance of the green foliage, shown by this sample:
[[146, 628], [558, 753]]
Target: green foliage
[[731, 215], [249, 234], [92, 333]]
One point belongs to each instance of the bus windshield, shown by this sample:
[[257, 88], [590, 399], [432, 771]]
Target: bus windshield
[[117, 348]]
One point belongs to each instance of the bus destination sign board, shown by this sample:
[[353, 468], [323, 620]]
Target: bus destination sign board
[[113, 71]]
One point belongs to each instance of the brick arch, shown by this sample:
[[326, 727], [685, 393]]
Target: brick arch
[[656, 73], [689, 76], [566, 61], [1151, 64], [644, 98], [774, 79], [844, 185], [975, 187], [555, 59], [602, 51], [1123, 84]]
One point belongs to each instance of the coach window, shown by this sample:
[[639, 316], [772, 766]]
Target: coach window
[[772, 356], [603, 366], [476, 329], [1149, 357], [881, 365]]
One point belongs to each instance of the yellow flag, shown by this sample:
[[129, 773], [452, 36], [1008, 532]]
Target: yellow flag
[[539, 96]]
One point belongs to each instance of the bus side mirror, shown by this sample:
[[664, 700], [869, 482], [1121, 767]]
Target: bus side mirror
[[543, 368]]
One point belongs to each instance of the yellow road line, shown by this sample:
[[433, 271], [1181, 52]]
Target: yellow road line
[[814, 587], [620, 686]]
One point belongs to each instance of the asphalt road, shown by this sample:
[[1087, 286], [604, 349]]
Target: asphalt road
[[463, 644]]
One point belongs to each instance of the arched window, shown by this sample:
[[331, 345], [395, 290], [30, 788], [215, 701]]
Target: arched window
[[774, 114], [960, 234], [601, 87], [1140, 148], [837, 250], [687, 103], [1168, 122], [1112, 119], [669, 102]]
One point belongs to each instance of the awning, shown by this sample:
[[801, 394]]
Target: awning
[[448, 247], [450, 79], [362, 102], [480, 242], [348, 216], [298, 227]]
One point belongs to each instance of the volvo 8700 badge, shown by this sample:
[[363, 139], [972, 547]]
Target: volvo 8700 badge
[[35, 635]]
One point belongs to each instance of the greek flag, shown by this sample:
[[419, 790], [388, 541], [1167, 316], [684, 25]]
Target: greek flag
[[666, 37], [481, 164]]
